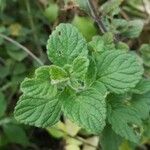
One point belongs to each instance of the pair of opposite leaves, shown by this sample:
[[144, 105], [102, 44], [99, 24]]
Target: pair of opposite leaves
[[42, 102]]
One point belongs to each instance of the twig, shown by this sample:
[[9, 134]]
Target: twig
[[124, 15], [96, 17], [98, 20], [22, 47]]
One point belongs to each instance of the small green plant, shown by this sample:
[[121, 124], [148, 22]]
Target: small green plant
[[95, 84]]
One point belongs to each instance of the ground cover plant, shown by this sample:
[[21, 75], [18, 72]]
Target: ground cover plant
[[94, 82]]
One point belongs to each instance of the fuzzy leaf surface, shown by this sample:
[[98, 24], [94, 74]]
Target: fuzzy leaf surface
[[118, 70], [135, 28], [39, 105], [142, 87], [58, 74], [65, 44], [102, 43], [80, 67], [87, 109], [123, 118]]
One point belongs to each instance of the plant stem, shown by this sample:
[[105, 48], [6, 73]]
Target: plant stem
[[98, 20], [96, 17], [22, 47]]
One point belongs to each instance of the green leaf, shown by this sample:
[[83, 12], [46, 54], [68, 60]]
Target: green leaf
[[100, 87], [86, 26], [119, 71], [3, 104], [126, 117], [80, 67], [147, 129], [58, 75], [2, 28], [134, 30], [103, 43], [141, 107], [97, 43], [51, 12], [142, 87], [145, 51], [5, 70], [15, 134], [78, 73], [92, 71], [111, 7], [16, 53], [121, 25], [86, 108], [110, 140], [2, 5], [65, 44], [19, 68], [122, 46], [83, 4], [39, 105]]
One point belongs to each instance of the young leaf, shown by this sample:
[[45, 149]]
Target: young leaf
[[91, 72], [119, 71], [80, 67], [77, 72], [39, 105], [58, 74], [102, 43], [122, 46], [97, 44], [135, 28], [121, 25], [111, 7], [86, 108], [100, 87], [65, 44]]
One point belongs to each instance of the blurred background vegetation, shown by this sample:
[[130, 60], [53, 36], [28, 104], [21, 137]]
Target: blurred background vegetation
[[25, 26]]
